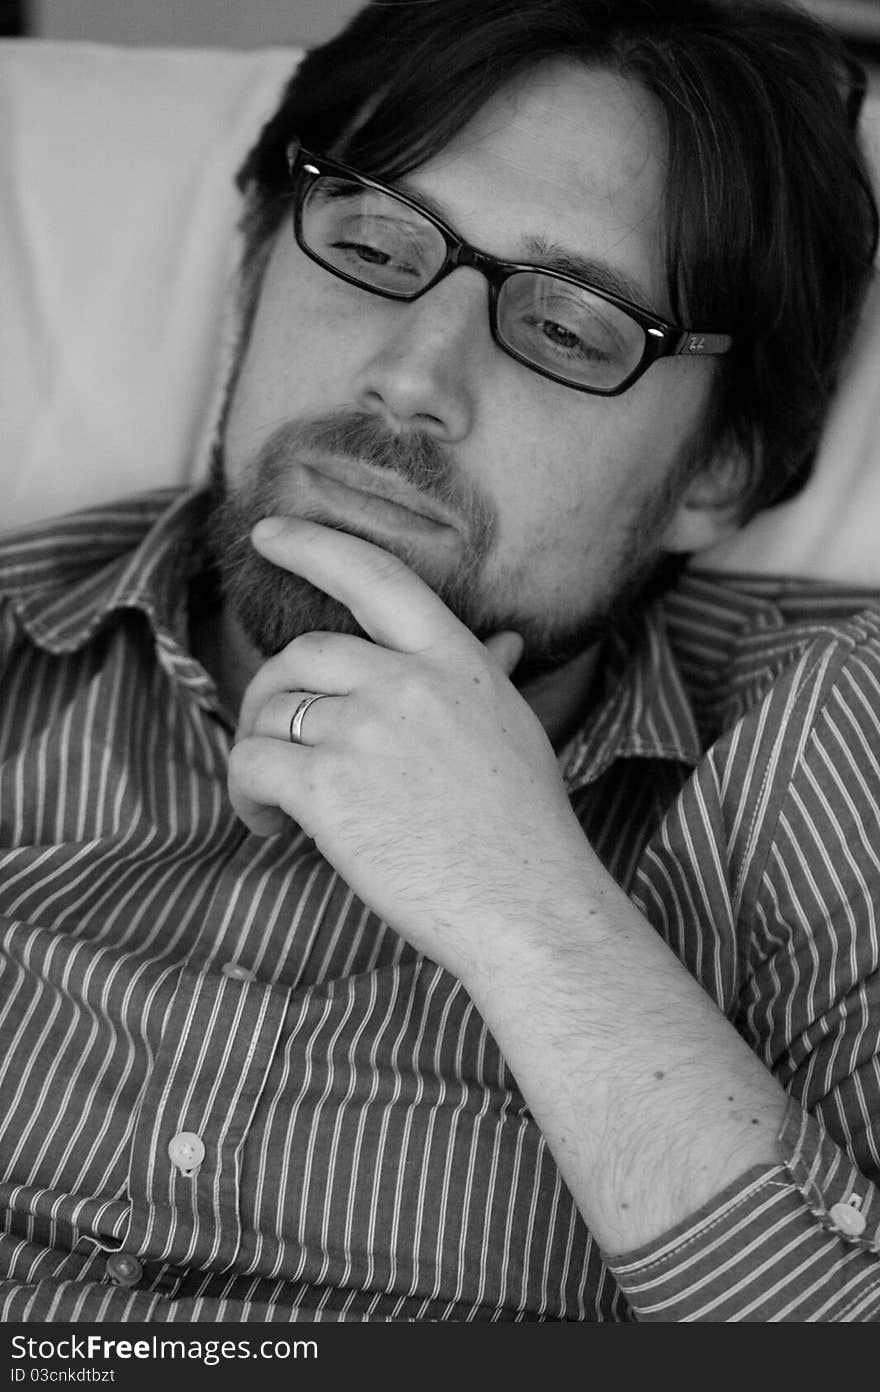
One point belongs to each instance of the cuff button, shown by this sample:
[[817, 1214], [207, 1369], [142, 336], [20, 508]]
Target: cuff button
[[847, 1219], [124, 1269]]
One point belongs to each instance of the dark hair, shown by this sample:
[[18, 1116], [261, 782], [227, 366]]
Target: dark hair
[[771, 221]]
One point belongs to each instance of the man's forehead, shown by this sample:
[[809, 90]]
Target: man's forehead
[[578, 109], [567, 153]]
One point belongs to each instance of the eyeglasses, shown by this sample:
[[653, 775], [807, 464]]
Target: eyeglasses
[[558, 325]]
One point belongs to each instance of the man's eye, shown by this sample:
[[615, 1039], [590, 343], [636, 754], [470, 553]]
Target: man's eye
[[564, 342], [382, 250], [374, 255], [387, 267], [561, 336]]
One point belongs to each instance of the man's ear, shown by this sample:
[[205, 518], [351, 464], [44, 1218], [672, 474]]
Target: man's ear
[[710, 508]]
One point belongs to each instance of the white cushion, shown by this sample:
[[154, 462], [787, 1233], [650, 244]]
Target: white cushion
[[116, 242], [116, 245]]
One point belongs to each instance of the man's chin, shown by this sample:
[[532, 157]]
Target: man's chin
[[273, 607]]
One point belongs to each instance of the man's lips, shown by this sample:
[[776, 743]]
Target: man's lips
[[363, 492]]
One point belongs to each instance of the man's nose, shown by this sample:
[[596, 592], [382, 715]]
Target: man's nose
[[432, 354]]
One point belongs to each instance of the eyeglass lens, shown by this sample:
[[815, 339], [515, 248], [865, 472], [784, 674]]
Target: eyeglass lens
[[384, 245]]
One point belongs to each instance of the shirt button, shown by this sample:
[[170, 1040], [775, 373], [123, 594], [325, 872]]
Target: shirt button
[[123, 1269], [237, 972], [186, 1151], [848, 1220]]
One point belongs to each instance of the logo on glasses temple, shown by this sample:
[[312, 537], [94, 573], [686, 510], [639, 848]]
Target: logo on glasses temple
[[696, 343]]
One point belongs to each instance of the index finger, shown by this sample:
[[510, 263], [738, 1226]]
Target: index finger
[[390, 602]]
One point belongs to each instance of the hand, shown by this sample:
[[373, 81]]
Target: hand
[[425, 778]]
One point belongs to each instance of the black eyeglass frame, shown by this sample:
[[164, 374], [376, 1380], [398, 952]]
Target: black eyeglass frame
[[663, 339]]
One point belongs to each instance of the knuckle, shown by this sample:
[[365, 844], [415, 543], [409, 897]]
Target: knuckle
[[306, 644], [271, 715], [238, 761], [244, 764], [254, 695]]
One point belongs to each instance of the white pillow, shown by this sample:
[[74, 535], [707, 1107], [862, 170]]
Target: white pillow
[[116, 246], [116, 242]]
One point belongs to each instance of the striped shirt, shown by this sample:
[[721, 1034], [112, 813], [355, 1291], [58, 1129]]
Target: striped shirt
[[218, 1064]]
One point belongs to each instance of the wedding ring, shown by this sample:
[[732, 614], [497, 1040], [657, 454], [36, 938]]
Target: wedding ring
[[296, 720]]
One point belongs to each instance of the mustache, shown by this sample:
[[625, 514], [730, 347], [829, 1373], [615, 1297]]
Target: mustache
[[417, 458]]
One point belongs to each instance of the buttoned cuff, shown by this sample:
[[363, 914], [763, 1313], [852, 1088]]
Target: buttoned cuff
[[799, 1240]]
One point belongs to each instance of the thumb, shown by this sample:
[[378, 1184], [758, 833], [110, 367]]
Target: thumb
[[506, 648]]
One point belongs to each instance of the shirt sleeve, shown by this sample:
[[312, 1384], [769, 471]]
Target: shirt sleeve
[[776, 1245], [793, 803]]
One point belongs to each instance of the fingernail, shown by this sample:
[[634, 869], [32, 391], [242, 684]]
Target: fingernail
[[268, 527]]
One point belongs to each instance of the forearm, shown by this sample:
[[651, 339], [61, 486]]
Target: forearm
[[649, 1100]]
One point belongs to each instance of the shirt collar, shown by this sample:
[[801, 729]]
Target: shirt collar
[[138, 555], [643, 709], [697, 659]]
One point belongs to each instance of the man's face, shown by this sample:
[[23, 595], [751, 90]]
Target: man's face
[[525, 504]]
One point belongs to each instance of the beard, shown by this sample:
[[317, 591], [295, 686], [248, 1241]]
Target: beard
[[274, 606]]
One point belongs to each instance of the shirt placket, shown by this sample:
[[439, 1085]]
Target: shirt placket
[[220, 1037]]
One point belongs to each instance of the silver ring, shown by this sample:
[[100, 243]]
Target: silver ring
[[296, 720]]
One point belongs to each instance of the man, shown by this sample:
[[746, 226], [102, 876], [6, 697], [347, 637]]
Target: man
[[413, 908]]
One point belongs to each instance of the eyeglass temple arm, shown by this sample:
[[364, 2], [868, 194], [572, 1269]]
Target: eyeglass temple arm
[[702, 345]]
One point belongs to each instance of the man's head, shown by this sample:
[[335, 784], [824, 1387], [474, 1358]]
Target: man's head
[[697, 151]]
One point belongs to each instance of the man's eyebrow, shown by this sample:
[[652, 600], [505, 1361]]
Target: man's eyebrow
[[599, 273], [541, 251]]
